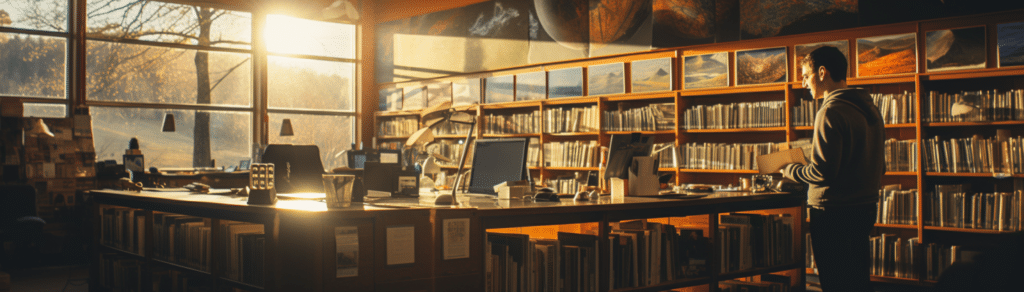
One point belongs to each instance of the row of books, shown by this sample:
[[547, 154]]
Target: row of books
[[900, 155], [398, 126], [1000, 154], [653, 117], [736, 115], [518, 123], [393, 145], [896, 206], [452, 149], [954, 206], [938, 258], [565, 185], [974, 106], [246, 244], [572, 154], [892, 256], [449, 128], [518, 263], [754, 240], [571, 120], [723, 155], [766, 283], [123, 228], [182, 239], [896, 108], [119, 273]]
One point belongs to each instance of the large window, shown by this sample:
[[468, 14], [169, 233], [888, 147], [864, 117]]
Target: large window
[[311, 82], [33, 54]]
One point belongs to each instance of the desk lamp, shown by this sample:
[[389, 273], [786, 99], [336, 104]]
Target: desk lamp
[[431, 117]]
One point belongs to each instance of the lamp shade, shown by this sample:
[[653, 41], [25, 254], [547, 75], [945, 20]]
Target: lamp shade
[[39, 128], [169, 122], [286, 128]]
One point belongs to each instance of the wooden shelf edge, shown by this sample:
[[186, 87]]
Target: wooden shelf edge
[[507, 135], [972, 174], [968, 230], [974, 124], [902, 226], [760, 271], [780, 87], [668, 285], [180, 266], [735, 130], [122, 251], [658, 132], [971, 74], [740, 171], [903, 281]]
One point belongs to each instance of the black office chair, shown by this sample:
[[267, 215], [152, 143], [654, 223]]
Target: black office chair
[[20, 224], [297, 168]]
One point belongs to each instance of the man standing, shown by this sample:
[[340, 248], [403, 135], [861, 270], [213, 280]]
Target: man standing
[[844, 173]]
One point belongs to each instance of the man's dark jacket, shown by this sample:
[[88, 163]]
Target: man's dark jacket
[[848, 159]]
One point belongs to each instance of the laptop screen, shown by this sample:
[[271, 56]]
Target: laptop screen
[[496, 161]]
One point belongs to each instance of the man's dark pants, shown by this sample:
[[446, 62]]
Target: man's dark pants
[[842, 252]]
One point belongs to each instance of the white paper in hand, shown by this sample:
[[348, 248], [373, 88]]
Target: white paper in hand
[[772, 162]]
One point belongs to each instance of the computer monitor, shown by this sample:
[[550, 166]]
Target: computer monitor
[[496, 161], [298, 168], [621, 150]]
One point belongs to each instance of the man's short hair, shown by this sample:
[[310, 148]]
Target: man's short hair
[[830, 57]]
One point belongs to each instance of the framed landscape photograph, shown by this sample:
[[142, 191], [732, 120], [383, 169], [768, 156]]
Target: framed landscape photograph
[[390, 99], [887, 55], [438, 93], [651, 75], [800, 51], [466, 91], [706, 71], [761, 66], [499, 89], [955, 49], [1010, 42], [531, 86], [606, 79], [414, 98], [565, 82]]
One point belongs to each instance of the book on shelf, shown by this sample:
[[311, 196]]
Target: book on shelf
[[398, 126], [123, 228], [449, 128], [893, 256], [975, 154], [901, 155], [805, 110], [955, 206], [652, 117], [896, 108], [896, 206], [938, 258], [119, 273], [571, 154], [571, 120], [236, 235], [974, 106], [518, 123], [735, 156], [740, 115]]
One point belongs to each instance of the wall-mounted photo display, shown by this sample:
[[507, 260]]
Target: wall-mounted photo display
[[887, 55], [761, 66], [706, 71], [955, 49], [565, 82], [499, 89], [438, 93], [531, 86], [606, 79], [1010, 41], [801, 51], [651, 75], [390, 99], [414, 98], [466, 91]]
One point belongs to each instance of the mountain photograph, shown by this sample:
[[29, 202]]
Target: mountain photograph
[[886, 55], [606, 79], [955, 49], [1011, 44], [706, 71], [761, 66], [652, 75]]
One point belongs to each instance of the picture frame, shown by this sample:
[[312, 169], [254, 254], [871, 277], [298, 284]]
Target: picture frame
[[606, 79], [531, 86], [499, 89], [566, 82], [706, 71], [1010, 44], [955, 49], [651, 75], [761, 66], [887, 55]]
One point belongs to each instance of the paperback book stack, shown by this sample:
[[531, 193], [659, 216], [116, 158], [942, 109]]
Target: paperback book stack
[[736, 115], [533, 153], [571, 154], [1000, 154], [398, 127], [723, 156], [900, 155], [896, 206], [892, 256], [653, 117], [954, 206], [571, 120], [521, 123], [974, 106]]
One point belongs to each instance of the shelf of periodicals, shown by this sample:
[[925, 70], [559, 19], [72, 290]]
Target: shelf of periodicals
[[955, 137]]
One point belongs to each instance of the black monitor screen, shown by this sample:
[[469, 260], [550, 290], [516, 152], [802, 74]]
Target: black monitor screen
[[497, 161]]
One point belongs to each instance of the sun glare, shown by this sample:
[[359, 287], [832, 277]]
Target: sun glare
[[290, 35]]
